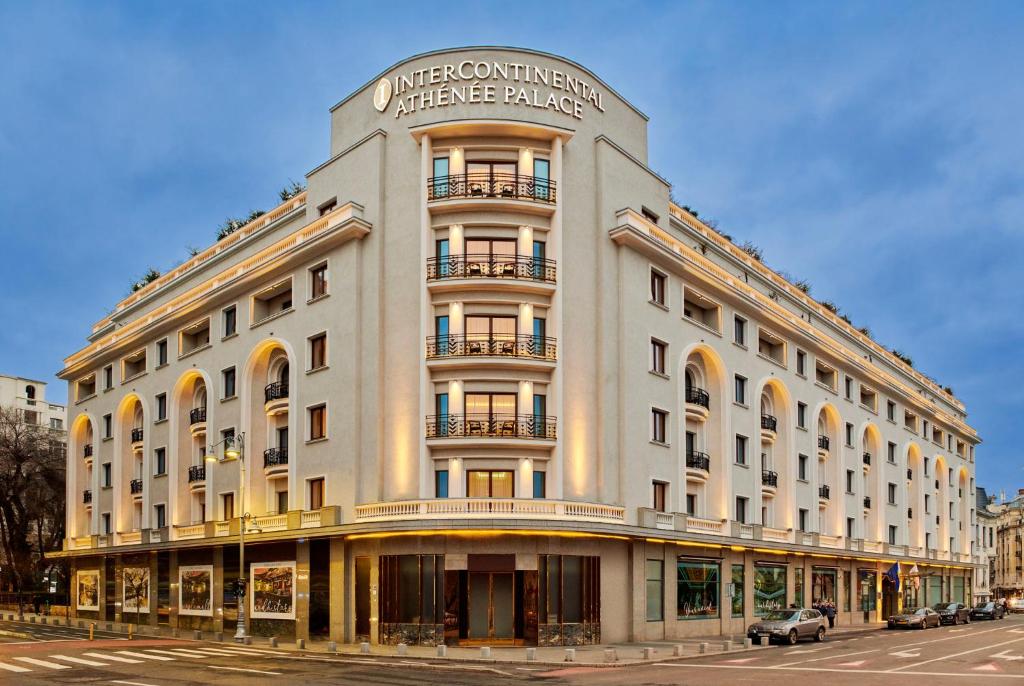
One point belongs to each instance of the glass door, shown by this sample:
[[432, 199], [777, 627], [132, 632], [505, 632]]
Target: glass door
[[541, 179], [439, 183], [491, 606]]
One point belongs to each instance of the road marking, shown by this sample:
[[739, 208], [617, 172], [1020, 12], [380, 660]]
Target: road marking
[[180, 652], [145, 656], [744, 659], [41, 663], [965, 652], [961, 675], [78, 660], [818, 659], [132, 683], [1006, 656], [243, 669], [113, 658], [855, 663], [906, 653], [215, 651], [985, 668], [250, 651], [13, 668]]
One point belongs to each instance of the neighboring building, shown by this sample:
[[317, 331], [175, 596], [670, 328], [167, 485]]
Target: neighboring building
[[495, 386], [1009, 581], [984, 546], [28, 396]]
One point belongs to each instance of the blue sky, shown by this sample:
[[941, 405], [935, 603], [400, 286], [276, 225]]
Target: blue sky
[[874, 149]]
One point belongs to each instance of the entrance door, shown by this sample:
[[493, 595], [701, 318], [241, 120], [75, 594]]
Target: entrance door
[[889, 599], [491, 602]]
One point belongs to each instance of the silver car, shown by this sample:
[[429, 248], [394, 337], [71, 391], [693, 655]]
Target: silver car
[[789, 626]]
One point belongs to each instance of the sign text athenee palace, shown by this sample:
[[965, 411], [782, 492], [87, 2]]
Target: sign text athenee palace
[[472, 82]]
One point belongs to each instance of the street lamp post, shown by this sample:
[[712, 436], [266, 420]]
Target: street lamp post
[[234, 447]]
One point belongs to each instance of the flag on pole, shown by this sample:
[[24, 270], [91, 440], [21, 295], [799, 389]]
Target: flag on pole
[[894, 575], [915, 576]]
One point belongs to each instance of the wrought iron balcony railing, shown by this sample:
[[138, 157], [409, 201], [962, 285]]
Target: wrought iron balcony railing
[[87, 450], [491, 426], [87, 496], [275, 457], [910, 474], [769, 423], [489, 266], [137, 435], [824, 492], [136, 486], [910, 513], [769, 478], [469, 345], [698, 396], [491, 185], [197, 415], [867, 503], [698, 460], [196, 473], [275, 391], [867, 459], [823, 442]]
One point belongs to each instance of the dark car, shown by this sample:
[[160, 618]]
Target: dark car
[[988, 611], [914, 618], [953, 613]]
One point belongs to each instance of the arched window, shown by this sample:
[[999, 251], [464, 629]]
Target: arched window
[[30, 392]]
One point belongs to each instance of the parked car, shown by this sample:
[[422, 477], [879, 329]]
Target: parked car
[[988, 611], [789, 626], [1016, 605], [953, 613], [914, 618]]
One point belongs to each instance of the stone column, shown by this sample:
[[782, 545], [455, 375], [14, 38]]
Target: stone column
[[302, 590], [172, 614], [218, 588], [338, 590]]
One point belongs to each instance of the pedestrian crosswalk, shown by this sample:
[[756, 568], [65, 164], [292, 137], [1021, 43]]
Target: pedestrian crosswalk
[[118, 658]]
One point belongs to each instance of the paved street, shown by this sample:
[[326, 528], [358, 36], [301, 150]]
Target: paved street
[[974, 654]]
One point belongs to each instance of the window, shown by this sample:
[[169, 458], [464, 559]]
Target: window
[[227, 506], [849, 434], [659, 418], [316, 493], [910, 420], [161, 352], [108, 426], [890, 410], [540, 484], [228, 382], [927, 504], [802, 519], [739, 330], [108, 377], [802, 467], [825, 375], [271, 301], [741, 509], [327, 206], [741, 449], [105, 522], [701, 310], [849, 527], [658, 287], [691, 504], [660, 489], [441, 483], [657, 356], [160, 515], [738, 575], [194, 337], [801, 415], [317, 422], [655, 590], [697, 589], [440, 180], [801, 363], [133, 365], [926, 460], [490, 484], [741, 390], [892, 494], [892, 453], [318, 281], [848, 388], [542, 180], [649, 214], [849, 481], [892, 534], [868, 398], [771, 346], [161, 406], [769, 588], [318, 351], [229, 321], [159, 461], [924, 430]]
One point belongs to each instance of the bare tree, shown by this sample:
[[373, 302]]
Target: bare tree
[[32, 497]]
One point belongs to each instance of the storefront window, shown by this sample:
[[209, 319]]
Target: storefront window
[[958, 590], [569, 590], [655, 590], [412, 588], [823, 585], [798, 586], [737, 590], [867, 590], [697, 596], [848, 585], [769, 589], [934, 590]]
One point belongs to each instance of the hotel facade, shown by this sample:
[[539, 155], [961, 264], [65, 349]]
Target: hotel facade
[[490, 384]]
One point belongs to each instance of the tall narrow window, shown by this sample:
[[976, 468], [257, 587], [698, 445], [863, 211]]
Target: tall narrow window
[[802, 519], [657, 287], [540, 254], [318, 281], [802, 467], [439, 184], [801, 362], [160, 515], [739, 330], [108, 377], [655, 590], [317, 422], [230, 323], [318, 351], [228, 382], [441, 483], [316, 493], [741, 449], [541, 179], [741, 390], [741, 509], [227, 505], [161, 353], [160, 461], [657, 356], [161, 406], [658, 421], [849, 527], [540, 485], [660, 489], [801, 415]]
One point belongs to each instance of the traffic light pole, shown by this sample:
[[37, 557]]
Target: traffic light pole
[[240, 629]]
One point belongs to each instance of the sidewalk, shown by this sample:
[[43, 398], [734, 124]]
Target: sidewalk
[[603, 655]]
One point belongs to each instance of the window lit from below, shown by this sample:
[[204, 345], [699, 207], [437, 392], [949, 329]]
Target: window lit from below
[[316, 493], [540, 485], [441, 483], [660, 495], [490, 484]]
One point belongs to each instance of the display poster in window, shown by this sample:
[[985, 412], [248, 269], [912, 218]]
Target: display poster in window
[[87, 587], [135, 590], [195, 590], [273, 590]]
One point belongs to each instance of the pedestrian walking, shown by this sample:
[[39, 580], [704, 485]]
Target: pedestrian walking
[[830, 612]]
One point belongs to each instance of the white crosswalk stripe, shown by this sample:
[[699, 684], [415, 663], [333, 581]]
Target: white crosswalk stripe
[[146, 656], [41, 663], [14, 668], [113, 658], [77, 660], [216, 651], [186, 652]]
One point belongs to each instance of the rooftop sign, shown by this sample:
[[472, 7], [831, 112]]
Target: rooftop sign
[[476, 82]]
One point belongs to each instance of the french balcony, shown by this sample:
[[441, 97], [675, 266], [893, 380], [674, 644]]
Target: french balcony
[[275, 398], [824, 494], [491, 426], [910, 475], [197, 477], [87, 454], [275, 461], [137, 435], [698, 403], [866, 458], [468, 349], [87, 498], [698, 466], [910, 513], [769, 428], [514, 191], [136, 489], [823, 443], [769, 480], [867, 503], [197, 421], [479, 270]]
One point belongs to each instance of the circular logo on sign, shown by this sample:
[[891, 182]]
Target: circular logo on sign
[[382, 95]]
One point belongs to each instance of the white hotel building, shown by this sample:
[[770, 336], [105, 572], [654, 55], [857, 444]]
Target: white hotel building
[[496, 387]]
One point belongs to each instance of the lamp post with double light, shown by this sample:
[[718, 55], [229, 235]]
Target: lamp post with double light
[[234, 448]]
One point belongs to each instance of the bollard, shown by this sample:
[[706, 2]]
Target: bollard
[[110, 626], [247, 641], [175, 633], [300, 643], [531, 654], [332, 647], [570, 655], [765, 641], [197, 635], [92, 629], [442, 650], [31, 620], [130, 626], [272, 641], [726, 646], [702, 648], [677, 650], [485, 652], [610, 655], [748, 643], [219, 636], [649, 653], [364, 648], [403, 649]]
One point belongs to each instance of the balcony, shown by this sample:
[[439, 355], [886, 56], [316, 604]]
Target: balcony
[[769, 427], [910, 475], [451, 272], [910, 513], [465, 349], [197, 477], [769, 479], [698, 403], [824, 492], [823, 443], [698, 466], [197, 421], [514, 190], [513, 509], [866, 459], [275, 460], [275, 397], [137, 435], [136, 489], [87, 497], [87, 450], [867, 503], [491, 426]]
